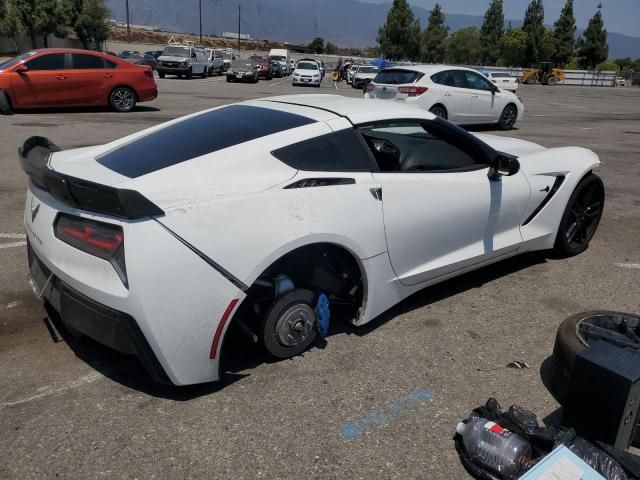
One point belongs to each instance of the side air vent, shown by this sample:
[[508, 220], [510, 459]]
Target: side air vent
[[320, 182], [552, 192]]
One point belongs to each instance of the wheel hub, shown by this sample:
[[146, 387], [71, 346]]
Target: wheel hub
[[295, 325]]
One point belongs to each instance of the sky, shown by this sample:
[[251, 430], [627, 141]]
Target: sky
[[621, 16]]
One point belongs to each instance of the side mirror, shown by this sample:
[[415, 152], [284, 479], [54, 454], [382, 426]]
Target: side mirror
[[504, 166], [21, 69]]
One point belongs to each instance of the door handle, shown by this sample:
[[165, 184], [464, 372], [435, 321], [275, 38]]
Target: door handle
[[474, 96], [108, 75], [61, 77], [446, 94]]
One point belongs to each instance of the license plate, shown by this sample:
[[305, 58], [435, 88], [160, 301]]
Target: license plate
[[306, 80]]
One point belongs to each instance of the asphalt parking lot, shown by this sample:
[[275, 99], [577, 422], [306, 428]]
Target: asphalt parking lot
[[376, 402]]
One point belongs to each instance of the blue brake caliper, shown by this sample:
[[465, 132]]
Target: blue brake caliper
[[323, 313]]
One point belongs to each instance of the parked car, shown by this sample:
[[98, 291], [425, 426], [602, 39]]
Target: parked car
[[60, 77], [351, 72], [306, 73], [154, 53], [216, 62], [276, 68], [264, 66], [281, 55], [620, 82], [462, 95], [319, 62], [243, 71], [364, 75], [360, 224], [503, 80], [183, 60], [228, 56], [140, 59], [127, 53]]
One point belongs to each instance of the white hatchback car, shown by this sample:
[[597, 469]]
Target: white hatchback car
[[461, 95], [306, 73]]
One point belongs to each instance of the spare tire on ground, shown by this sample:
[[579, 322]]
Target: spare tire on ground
[[574, 335]]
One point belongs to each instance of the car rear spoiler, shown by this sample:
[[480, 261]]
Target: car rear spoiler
[[76, 192]]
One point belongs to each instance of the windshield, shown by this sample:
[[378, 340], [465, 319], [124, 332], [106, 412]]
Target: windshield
[[367, 69], [307, 66], [241, 64], [14, 60], [397, 77], [279, 58], [176, 52]]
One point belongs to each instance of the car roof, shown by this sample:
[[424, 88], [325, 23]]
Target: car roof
[[65, 50], [429, 69], [346, 106]]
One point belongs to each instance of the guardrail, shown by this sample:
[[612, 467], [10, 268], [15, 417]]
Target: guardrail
[[587, 78]]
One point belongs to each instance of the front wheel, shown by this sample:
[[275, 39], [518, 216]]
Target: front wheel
[[439, 111], [189, 74], [581, 217], [288, 329], [122, 99], [508, 117]]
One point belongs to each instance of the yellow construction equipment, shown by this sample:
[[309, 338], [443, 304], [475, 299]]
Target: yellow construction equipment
[[545, 74]]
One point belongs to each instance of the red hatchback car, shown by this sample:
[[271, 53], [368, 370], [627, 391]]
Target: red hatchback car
[[61, 77]]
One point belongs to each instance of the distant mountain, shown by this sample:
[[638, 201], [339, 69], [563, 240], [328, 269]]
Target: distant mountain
[[347, 23]]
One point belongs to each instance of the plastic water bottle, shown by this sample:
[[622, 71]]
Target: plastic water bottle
[[493, 446]]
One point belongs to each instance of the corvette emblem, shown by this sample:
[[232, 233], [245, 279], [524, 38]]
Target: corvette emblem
[[34, 210]]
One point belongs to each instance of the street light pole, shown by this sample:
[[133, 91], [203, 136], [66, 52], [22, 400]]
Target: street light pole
[[126, 7]]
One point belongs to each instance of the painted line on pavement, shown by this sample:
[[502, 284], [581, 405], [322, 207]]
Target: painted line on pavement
[[14, 244], [10, 305], [13, 235], [278, 83], [355, 428], [628, 265], [52, 390]]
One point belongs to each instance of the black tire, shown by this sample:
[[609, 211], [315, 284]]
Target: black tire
[[204, 73], [229, 79], [122, 99], [569, 342], [161, 74], [189, 74], [508, 117], [439, 111], [552, 81], [581, 217], [5, 104], [298, 303]]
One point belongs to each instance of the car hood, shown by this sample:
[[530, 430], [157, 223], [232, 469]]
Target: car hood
[[513, 146], [169, 58]]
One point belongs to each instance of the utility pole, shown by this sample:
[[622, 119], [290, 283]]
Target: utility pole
[[258, 32], [200, 12], [126, 7], [239, 14]]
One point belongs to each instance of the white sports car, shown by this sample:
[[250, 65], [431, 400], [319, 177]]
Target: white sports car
[[254, 215]]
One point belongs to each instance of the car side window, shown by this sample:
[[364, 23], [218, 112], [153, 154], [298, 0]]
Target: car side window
[[342, 151], [477, 82], [84, 61], [51, 61], [416, 146]]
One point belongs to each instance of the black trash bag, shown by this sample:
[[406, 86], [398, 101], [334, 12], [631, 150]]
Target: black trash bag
[[597, 459], [611, 463]]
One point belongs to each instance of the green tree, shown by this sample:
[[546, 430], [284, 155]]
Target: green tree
[[608, 66], [492, 32], [514, 47], [25, 11], [50, 19], [434, 38], [549, 47], [330, 48], [463, 47], [565, 35], [592, 47], [316, 45], [399, 37], [91, 25], [534, 26]]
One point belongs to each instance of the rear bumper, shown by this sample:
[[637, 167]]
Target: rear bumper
[[105, 325], [147, 94]]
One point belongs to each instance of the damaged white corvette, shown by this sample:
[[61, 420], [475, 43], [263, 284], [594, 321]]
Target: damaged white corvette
[[244, 216]]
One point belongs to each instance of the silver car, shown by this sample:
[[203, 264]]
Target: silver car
[[183, 60]]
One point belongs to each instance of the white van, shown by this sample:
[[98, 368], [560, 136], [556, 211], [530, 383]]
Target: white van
[[182, 60], [281, 55]]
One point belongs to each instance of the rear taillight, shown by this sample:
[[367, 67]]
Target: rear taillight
[[370, 87], [413, 91], [102, 240]]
